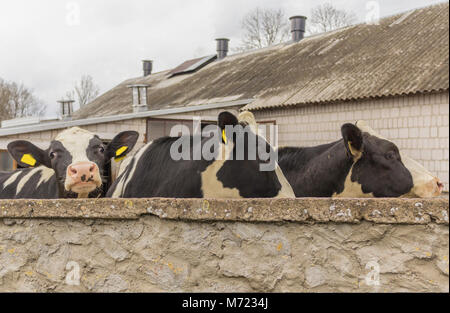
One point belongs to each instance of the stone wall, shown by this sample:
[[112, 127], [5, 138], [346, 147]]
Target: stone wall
[[279, 245], [418, 124]]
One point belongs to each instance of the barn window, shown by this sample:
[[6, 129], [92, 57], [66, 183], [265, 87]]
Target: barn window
[[6, 161]]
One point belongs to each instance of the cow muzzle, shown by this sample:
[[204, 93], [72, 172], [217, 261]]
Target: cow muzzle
[[82, 178], [429, 189]]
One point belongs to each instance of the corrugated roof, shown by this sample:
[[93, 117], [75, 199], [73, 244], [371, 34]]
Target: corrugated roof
[[404, 54]]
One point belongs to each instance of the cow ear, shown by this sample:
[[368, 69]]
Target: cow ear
[[121, 145], [28, 155], [353, 140], [224, 119]]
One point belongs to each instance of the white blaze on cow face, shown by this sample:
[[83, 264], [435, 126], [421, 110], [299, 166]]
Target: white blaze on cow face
[[82, 175], [425, 184]]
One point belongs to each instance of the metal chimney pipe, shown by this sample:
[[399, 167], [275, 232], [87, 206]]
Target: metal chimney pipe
[[147, 66], [298, 23], [222, 47]]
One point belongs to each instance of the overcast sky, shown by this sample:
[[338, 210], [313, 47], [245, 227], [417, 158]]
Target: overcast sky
[[49, 44]]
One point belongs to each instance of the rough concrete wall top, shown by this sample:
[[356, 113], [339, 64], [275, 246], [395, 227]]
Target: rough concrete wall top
[[391, 211]]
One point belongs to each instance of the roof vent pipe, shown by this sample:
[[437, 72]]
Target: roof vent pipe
[[222, 47], [65, 108], [147, 66], [297, 27], [140, 100]]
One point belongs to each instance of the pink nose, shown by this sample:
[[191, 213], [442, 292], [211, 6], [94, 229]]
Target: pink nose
[[82, 172]]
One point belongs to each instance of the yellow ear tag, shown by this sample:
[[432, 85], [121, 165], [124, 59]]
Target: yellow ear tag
[[224, 136], [28, 159], [120, 151]]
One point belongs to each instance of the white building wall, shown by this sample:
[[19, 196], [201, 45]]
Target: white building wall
[[418, 124]]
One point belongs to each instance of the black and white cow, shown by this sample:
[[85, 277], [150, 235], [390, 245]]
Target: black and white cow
[[154, 172], [71, 167], [361, 164]]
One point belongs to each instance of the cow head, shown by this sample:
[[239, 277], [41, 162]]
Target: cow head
[[377, 170], [425, 184], [77, 156], [250, 165]]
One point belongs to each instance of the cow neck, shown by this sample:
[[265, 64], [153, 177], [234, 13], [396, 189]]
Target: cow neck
[[316, 171]]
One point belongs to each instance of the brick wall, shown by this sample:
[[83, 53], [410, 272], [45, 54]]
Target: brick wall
[[418, 124]]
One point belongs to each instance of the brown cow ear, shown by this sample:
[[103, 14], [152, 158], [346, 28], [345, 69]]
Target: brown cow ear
[[121, 145], [28, 155], [353, 140]]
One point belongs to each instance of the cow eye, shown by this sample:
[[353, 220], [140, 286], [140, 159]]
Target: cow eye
[[52, 155], [390, 155], [101, 149]]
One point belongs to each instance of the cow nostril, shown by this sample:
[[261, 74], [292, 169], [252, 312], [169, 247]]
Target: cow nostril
[[73, 171]]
